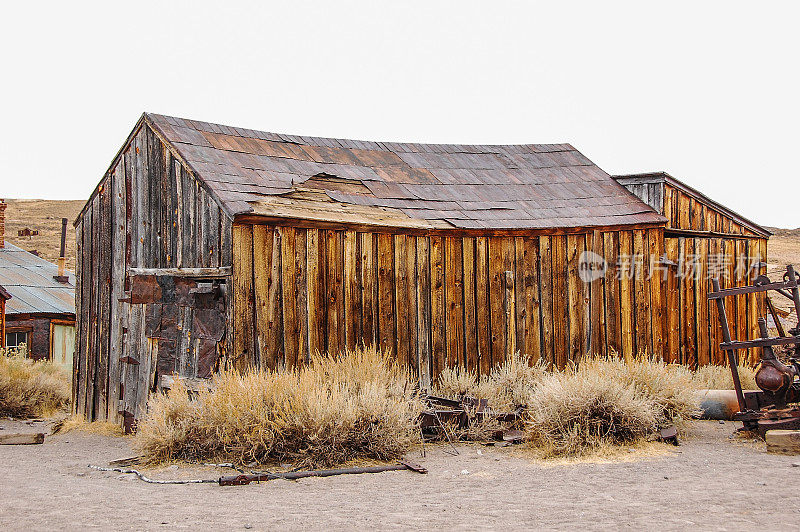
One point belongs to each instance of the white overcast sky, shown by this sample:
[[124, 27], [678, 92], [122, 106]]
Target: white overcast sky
[[707, 91]]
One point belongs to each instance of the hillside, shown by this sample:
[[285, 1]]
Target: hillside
[[43, 216]]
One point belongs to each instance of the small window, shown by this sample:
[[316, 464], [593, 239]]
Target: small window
[[15, 339]]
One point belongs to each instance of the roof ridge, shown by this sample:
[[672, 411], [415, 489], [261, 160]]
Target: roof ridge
[[303, 139]]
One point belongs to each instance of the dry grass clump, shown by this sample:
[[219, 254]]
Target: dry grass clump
[[360, 405], [669, 387], [607, 401], [78, 423], [600, 402], [575, 412], [456, 382], [29, 388], [719, 377], [506, 388], [510, 384]]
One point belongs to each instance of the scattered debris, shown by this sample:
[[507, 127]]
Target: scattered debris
[[669, 435], [150, 480], [123, 462], [462, 413], [28, 232]]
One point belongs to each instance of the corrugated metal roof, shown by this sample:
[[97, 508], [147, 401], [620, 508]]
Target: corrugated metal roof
[[29, 280], [488, 187]]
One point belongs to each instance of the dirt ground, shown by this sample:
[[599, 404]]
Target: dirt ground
[[709, 482]]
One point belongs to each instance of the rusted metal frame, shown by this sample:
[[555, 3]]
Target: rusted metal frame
[[762, 342], [242, 480], [726, 336], [775, 317], [794, 278]]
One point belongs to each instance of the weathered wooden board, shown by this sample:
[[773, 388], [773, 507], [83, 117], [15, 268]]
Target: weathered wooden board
[[546, 297], [387, 323], [438, 333], [468, 265], [22, 438], [783, 442], [482, 310], [627, 302]]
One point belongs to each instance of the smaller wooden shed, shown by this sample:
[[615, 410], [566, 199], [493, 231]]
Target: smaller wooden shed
[[703, 239], [41, 311]]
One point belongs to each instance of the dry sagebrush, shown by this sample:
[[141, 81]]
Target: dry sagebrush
[[606, 401], [601, 401], [713, 377], [508, 386], [575, 412], [29, 388], [669, 387], [360, 405]]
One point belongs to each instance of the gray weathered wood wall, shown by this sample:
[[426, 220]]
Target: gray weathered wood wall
[[149, 211]]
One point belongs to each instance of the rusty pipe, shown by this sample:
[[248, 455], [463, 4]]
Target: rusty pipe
[[242, 480]]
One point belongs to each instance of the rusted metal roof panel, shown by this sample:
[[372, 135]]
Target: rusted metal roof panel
[[467, 186], [29, 280]]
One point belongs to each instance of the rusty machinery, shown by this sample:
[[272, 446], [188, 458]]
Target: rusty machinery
[[774, 407]]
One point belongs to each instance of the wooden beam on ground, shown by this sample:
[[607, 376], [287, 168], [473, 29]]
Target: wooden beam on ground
[[32, 438], [783, 441]]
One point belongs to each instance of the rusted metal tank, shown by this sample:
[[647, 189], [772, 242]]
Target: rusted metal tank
[[718, 404]]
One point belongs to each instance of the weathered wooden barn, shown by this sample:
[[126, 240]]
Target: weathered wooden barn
[[208, 246], [703, 239], [41, 311]]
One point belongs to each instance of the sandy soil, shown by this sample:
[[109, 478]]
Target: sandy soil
[[710, 481]]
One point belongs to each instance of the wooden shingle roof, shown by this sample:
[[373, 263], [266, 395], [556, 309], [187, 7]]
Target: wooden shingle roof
[[530, 186]]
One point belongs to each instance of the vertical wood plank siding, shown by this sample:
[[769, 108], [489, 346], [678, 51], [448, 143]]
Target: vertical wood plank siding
[[691, 328], [438, 301], [686, 212], [149, 212], [692, 334]]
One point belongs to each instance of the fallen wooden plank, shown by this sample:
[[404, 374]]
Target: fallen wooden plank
[[31, 438], [783, 441]]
